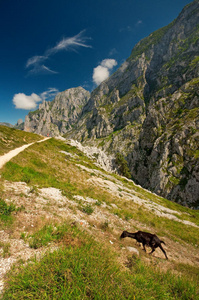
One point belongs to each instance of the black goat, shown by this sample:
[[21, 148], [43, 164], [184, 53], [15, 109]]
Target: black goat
[[145, 238]]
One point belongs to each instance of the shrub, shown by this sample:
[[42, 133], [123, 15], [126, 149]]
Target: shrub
[[88, 209], [122, 165], [5, 209]]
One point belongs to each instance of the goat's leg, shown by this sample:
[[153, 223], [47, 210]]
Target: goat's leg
[[163, 251], [144, 247], [153, 249]]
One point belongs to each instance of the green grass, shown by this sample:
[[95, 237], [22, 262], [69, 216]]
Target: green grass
[[5, 247], [43, 165], [49, 233], [6, 211], [11, 138], [84, 269], [88, 209]]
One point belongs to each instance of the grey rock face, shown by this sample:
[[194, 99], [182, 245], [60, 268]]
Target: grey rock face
[[57, 117], [148, 110]]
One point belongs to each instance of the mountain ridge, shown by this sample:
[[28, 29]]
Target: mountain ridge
[[141, 109]]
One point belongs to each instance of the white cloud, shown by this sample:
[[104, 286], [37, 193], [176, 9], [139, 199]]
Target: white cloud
[[70, 43], [35, 60], [35, 63], [49, 94], [109, 63], [102, 72], [22, 101]]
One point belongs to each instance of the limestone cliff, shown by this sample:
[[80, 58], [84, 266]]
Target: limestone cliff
[[56, 117], [148, 110]]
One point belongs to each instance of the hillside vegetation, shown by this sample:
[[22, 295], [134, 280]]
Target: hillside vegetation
[[61, 216], [11, 138]]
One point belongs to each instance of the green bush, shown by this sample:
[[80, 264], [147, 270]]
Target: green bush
[[5, 209], [122, 165], [87, 209]]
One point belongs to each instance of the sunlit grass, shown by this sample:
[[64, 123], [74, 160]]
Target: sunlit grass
[[11, 138], [43, 165], [84, 269]]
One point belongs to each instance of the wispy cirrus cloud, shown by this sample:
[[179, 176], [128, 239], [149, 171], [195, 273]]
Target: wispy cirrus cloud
[[28, 102], [36, 65], [70, 44], [49, 94]]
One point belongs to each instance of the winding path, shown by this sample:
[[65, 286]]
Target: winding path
[[8, 156]]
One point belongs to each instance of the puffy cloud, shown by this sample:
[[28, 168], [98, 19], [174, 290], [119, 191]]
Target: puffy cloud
[[109, 63], [102, 72], [22, 101]]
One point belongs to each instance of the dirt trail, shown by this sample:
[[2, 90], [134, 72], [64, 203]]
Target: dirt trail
[[8, 156]]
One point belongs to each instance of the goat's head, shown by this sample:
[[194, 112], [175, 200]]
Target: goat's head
[[123, 235]]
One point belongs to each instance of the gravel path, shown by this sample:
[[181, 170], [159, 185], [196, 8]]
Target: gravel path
[[8, 156]]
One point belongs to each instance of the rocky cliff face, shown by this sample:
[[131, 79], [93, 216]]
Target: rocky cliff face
[[148, 110], [56, 117]]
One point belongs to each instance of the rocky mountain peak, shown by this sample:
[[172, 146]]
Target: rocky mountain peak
[[55, 117]]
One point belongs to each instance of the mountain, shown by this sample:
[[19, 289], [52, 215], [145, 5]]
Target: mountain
[[6, 124], [147, 111], [56, 117], [19, 125]]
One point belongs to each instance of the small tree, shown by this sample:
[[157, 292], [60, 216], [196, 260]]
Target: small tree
[[122, 166]]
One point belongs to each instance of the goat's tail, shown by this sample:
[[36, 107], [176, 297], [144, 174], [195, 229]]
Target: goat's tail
[[162, 242]]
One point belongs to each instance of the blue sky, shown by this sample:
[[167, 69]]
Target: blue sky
[[48, 46]]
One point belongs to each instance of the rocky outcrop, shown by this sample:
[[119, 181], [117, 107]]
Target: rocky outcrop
[[56, 117], [148, 110]]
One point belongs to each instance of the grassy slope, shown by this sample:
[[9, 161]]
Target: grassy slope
[[85, 267], [11, 138]]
